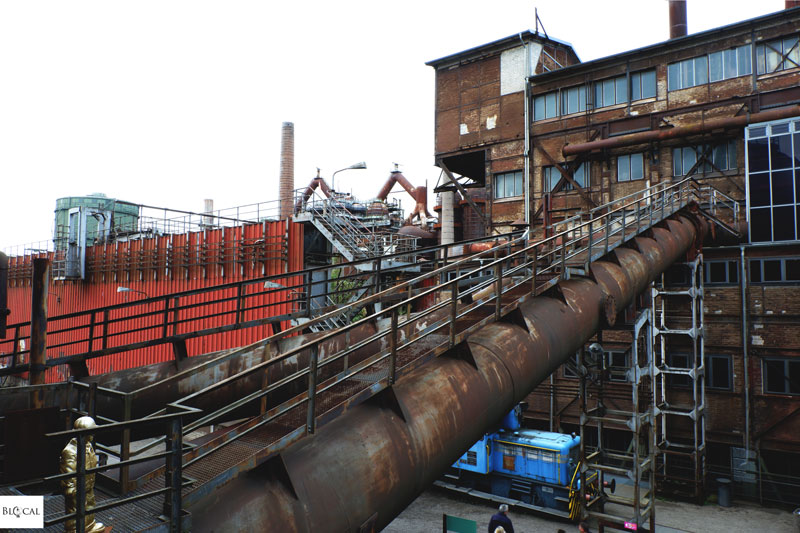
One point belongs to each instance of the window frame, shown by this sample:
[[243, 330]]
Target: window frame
[[731, 267], [758, 264], [731, 156], [629, 159], [786, 375], [518, 181]]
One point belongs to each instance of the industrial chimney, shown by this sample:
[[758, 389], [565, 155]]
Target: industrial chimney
[[287, 169], [677, 19], [792, 3]]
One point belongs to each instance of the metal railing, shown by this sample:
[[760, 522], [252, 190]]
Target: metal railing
[[326, 384], [81, 401]]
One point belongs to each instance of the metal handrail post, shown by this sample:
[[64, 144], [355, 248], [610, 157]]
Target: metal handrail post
[[80, 482], [312, 388], [453, 308], [393, 356]]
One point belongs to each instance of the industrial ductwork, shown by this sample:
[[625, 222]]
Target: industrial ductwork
[[362, 469]]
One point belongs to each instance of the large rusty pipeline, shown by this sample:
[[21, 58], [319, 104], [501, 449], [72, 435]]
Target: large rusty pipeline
[[677, 132], [361, 470]]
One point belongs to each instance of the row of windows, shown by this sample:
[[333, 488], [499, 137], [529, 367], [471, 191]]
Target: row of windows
[[605, 93], [772, 56], [780, 375], [717, 66], [726, 271], [630, 167]]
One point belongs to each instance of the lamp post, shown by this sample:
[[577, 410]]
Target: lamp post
[[126, 289], [361, 164]]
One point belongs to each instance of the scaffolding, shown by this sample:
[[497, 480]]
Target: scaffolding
[[632, 502], [680, 382]]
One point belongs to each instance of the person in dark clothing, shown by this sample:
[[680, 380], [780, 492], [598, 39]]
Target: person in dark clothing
[[501, 519], [583, 527]]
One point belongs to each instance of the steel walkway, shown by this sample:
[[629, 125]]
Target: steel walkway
[[312, 383]]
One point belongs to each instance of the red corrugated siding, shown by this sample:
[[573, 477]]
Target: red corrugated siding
[[160, 266]]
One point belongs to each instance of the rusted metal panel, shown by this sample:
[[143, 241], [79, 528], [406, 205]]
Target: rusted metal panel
[[161, 266]]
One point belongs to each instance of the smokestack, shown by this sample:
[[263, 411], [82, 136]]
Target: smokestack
[[208, 209], [792, 3], [287, 169], [677, 19]]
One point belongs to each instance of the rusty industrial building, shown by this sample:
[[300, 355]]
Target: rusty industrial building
[[616, 243], [720, 106]]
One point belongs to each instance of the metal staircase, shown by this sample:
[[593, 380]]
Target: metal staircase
[[330, 377]]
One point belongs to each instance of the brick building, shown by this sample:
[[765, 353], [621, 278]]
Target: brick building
[[542, 136]]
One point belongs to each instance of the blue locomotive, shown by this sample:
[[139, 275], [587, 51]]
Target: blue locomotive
[[525, 467]]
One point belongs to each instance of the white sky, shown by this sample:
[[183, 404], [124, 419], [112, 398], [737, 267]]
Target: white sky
[[166, 103]]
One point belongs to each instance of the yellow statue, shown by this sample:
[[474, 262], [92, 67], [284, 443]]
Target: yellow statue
[[69, 463]]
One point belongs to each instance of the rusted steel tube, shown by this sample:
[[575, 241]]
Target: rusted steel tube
[[419, 194], [681, 131], [677, 19], [38, 354], [361, 470], [316, 182], [3, 294]]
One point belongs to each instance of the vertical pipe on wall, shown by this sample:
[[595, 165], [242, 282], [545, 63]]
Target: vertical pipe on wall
[[41, 277], [287, 169], [527, 153], [745, 358]]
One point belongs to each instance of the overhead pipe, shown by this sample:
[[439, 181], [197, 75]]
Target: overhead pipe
[[361, 470], [318, 181], [681, 131], [677, 19], [419, 194]]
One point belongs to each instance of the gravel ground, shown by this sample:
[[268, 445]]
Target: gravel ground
[[425, 515]]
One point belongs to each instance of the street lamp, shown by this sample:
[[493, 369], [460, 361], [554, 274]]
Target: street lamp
[[126, 289], [362, 164]]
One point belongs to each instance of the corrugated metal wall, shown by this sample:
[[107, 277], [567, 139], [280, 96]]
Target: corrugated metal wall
[[158, 266]]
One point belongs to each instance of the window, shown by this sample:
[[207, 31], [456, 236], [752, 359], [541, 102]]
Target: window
[[718, 157], [617, 363], [508, 184], [643, 85], [721, 272], [630, 167], [545, 106], [719, 374], [781, 376], [551, 177], [687, 73], [777, 270], [730, 63], [773, 181], [573, 100], [611, 91], [777, 55]]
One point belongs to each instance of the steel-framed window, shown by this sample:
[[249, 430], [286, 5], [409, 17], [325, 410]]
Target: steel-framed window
[[508, 184], [722, 272], [719, 157], [781, 375], [545, 106], [630, 167], [551, 177], [773, 181], [730, 63], [573, 100], [777, 55], [775, 270]]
